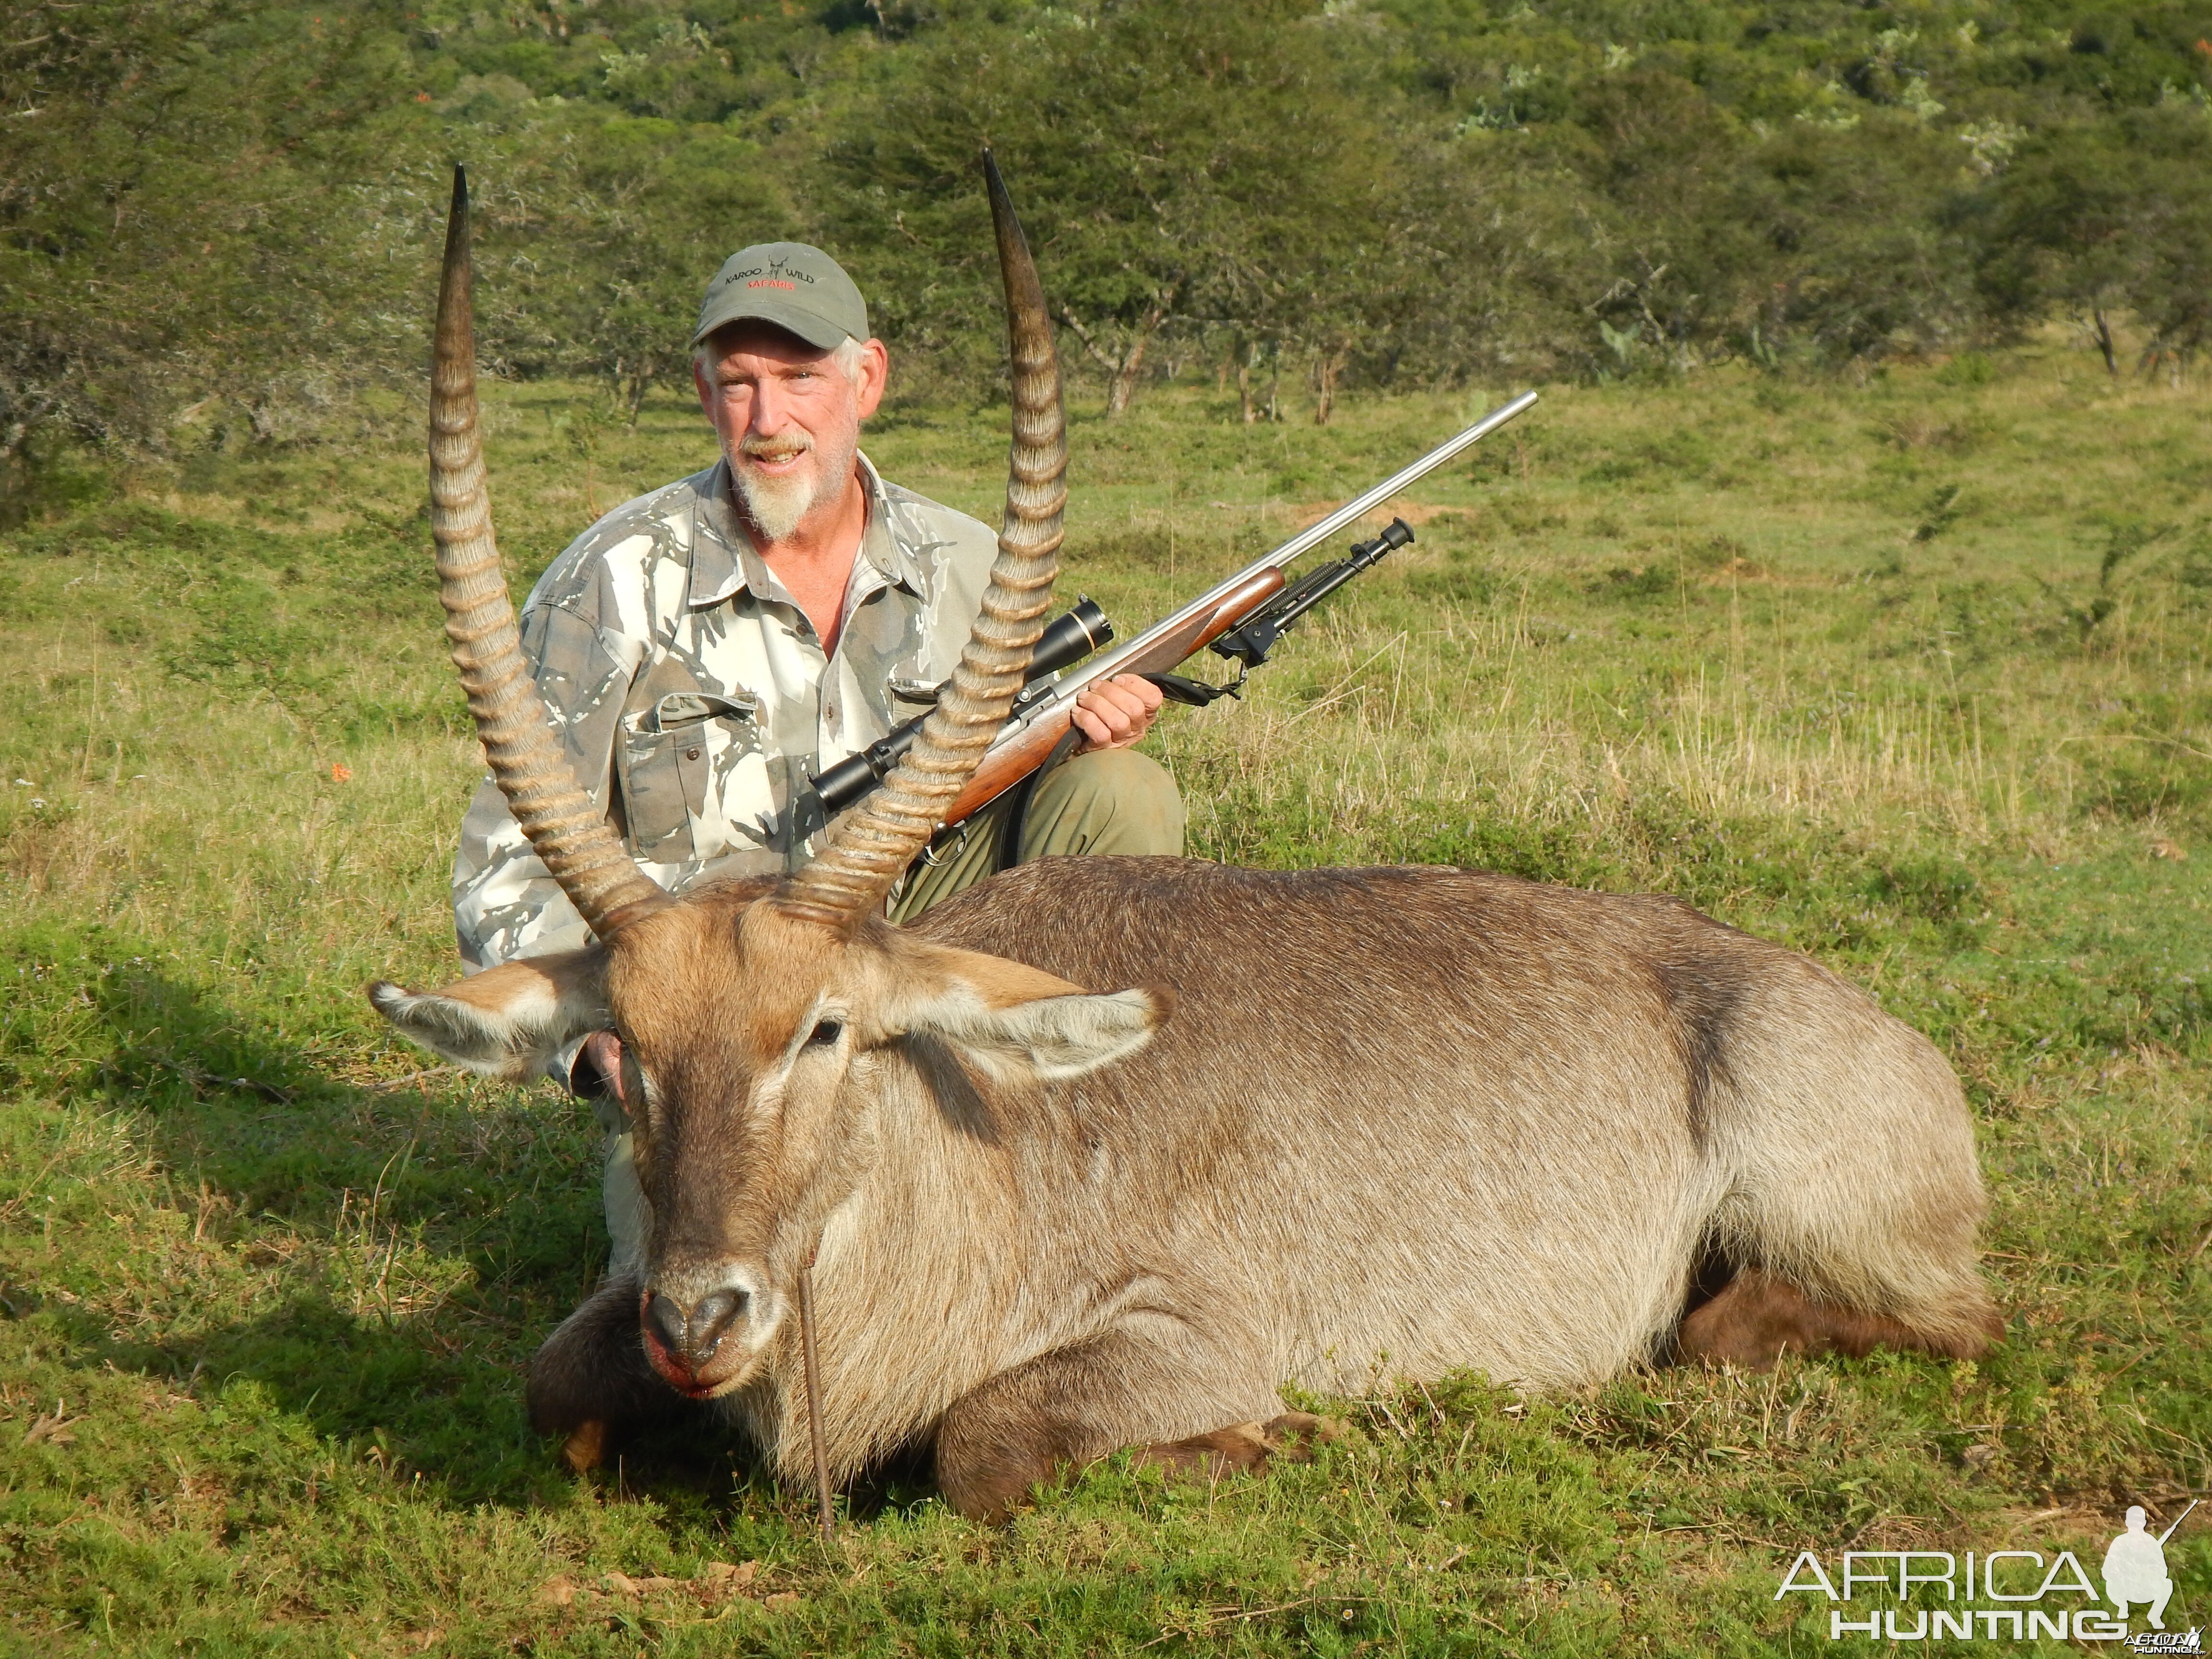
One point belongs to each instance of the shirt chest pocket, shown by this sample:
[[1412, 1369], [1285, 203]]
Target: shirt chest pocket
[[669, 756]]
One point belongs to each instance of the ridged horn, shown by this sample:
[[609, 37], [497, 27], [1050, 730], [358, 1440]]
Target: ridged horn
[[866, 850], [570, 834]]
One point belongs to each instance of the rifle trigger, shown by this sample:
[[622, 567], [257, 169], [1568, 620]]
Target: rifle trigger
[[1193, 694]]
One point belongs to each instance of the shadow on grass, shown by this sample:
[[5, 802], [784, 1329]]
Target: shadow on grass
[[390, 1260]]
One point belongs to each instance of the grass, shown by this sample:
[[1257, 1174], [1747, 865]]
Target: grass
[[1910, 674]]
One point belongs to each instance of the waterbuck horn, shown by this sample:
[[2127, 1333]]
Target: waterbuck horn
[[569, 835], [866, 850]]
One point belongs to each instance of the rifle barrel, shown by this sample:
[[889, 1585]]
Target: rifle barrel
[[1360, 506]]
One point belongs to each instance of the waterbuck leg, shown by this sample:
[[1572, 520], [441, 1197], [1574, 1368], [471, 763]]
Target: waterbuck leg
[[1755, 1317], [1291, 1435], [590, 1383], [1073, 1406]]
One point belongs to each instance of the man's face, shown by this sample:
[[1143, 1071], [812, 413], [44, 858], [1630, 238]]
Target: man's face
[[789, 418]]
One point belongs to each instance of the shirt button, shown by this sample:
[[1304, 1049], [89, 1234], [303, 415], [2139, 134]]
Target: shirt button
[[690, 754]]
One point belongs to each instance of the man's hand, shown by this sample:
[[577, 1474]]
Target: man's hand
[[1116, 712]]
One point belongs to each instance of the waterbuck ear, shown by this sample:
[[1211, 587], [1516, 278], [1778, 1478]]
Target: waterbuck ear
[[1017, 1022], [507, 1021]]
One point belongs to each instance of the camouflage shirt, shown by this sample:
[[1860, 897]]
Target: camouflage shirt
[[692, 695]]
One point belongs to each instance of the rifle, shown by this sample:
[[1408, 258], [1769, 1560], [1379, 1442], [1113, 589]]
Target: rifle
[[1242, 618], [2176, 1527]]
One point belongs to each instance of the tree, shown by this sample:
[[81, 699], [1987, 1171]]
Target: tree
[[2092, 221], [603, 230], [1169, 158], [200, 200]]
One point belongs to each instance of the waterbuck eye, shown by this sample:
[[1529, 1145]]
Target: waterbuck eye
[[827, 1032]]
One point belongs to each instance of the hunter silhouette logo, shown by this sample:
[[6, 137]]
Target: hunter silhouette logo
[[2134, 1567], [2031, 1600]]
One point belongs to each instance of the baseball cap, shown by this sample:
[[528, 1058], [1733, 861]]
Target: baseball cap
[[790, 284]]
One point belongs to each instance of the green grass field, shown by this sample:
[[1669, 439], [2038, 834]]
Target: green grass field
[[1911, 675]]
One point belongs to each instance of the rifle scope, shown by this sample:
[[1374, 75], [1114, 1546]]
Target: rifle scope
[[1067, 639]]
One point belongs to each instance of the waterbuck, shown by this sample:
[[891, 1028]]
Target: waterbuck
[[1103, 1152]]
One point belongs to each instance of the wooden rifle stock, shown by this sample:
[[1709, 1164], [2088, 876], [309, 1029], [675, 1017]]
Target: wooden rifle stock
[[1014, 756]]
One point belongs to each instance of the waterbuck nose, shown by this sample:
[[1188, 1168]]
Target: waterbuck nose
[[692, 1338], [711, 1317]]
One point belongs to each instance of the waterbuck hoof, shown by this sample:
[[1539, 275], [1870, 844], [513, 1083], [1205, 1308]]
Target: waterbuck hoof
[[1295, 1434], [1242, 1447], [586, 1448]]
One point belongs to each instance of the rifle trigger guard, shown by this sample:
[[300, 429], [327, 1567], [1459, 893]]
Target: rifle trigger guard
[[1196, 694]]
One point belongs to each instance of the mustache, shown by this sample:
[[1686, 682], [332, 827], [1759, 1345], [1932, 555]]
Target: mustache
[[781, 447]]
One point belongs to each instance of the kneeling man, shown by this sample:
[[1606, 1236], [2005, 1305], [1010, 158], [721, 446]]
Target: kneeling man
[[704, 649]]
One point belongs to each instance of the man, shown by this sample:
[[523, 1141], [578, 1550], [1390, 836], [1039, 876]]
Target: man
[[704, 649], [2134, 1569]]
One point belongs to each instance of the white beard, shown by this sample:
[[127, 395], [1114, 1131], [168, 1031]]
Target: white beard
[[775, 507]]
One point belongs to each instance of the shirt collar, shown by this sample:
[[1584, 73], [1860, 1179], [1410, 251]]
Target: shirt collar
[[723, 561]]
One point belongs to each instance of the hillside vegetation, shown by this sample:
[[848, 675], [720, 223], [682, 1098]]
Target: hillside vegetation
[[1910, 673], [217, 216]]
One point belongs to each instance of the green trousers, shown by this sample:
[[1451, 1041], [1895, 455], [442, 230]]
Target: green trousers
[[1114, 800]]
